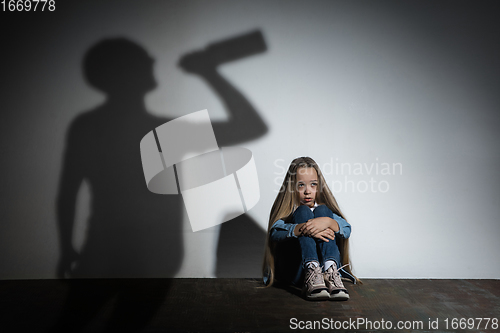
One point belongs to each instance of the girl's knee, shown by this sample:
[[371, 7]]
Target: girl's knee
[[322, 211], [302, 214], [303, 208]]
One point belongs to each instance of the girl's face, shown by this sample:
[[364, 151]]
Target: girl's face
[[307, 185]]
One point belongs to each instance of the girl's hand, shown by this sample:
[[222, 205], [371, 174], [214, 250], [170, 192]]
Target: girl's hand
[[325, 235], [313, 226]]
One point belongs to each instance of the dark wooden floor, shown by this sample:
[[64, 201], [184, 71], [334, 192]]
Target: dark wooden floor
[[238, 305]]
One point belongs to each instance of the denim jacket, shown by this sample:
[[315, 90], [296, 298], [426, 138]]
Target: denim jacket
[[281, 231]]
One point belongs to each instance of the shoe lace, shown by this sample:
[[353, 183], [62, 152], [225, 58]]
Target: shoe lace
[[334, 275], [314, 276]]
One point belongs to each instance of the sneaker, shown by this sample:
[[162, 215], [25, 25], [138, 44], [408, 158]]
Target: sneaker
[[314, 285], [334, 284]]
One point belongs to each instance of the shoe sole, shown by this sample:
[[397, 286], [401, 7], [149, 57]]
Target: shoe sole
[[321, 296], [340, 296]]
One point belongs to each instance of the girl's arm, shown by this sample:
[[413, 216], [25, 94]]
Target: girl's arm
[[344, 226], [337, 224], [281, 231], [318, 224], [325, 234]]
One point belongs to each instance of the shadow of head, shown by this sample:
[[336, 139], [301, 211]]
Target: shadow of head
[[119, 66]]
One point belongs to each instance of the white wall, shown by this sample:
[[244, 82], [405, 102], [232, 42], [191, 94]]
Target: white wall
[[406, 83]]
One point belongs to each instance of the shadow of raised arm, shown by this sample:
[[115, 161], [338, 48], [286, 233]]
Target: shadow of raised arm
[[244, 123]]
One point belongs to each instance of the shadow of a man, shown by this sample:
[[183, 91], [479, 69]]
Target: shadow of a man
[[132, 233]]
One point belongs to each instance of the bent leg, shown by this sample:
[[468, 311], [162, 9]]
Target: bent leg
[[329, 250], [307, 244], [308, 250], [302, 214], [291, 258], [323, 211]]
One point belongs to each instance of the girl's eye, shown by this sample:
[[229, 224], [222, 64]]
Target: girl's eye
[[300, 185], [314, 184]]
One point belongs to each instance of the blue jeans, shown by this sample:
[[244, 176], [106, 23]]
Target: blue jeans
[[292, 256]]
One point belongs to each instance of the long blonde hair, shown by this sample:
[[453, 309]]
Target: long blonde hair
[[285, 204]]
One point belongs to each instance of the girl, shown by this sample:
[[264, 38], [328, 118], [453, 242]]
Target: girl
[[308, 237]]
